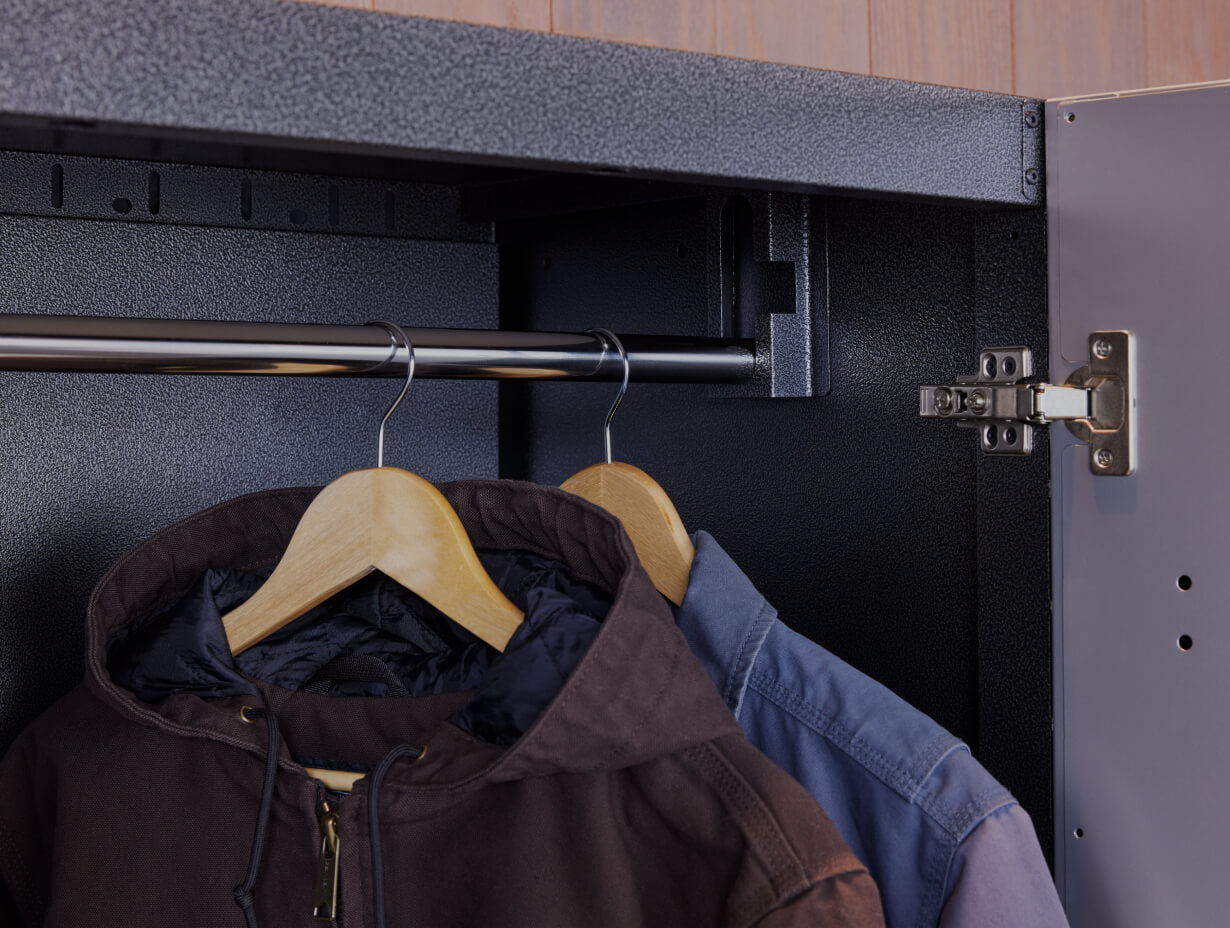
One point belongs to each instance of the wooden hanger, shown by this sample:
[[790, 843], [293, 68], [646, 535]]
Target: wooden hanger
[[641, 505], [384, 519]]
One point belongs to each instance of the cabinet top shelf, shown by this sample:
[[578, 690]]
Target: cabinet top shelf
[[309, 80]]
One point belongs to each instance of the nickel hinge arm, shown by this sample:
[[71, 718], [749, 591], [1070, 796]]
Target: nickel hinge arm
[[1098, 402]]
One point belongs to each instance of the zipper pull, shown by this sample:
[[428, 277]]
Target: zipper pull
[[324, 905]]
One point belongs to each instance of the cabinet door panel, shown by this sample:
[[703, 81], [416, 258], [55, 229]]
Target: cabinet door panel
[[1139, 226]]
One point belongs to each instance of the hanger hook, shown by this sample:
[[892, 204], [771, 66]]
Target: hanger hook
[[608, 335], [394, 331]]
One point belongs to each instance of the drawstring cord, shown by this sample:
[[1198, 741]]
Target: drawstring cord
[[373, 820], [243, 892]]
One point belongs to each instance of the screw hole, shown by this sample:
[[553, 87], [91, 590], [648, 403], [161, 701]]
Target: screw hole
[[1009, 436], [1184, 583], [1009, 366], [298, 217], [1015, 235], [991, 436], [121, 205], [988, 365], [1070, 117], [1185, 642], [1080, 833]]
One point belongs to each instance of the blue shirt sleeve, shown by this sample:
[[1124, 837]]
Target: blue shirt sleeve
[[999, 877]]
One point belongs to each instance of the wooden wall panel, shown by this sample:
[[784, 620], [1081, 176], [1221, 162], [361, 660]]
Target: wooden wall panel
[[817, 33], [1187, 41], [516, 14], [963, 43], [353, 4], [1091, 46], [684, 24], [1041, 48]]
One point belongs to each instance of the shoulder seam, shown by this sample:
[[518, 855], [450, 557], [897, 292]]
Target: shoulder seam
[[787, 877], [956, 823]]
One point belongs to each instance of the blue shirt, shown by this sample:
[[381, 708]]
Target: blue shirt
[[947, 844]]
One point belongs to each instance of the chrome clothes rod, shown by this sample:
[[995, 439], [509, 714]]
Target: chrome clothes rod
[[178, 346]]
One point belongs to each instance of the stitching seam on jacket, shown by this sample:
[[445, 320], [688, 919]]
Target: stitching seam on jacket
[[786, 875], [667, 678], [731, 681], [955, 822], [893, 773]]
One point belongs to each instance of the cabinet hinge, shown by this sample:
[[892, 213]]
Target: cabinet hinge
[[1097, 403]]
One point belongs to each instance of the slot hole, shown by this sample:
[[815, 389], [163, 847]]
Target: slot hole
[[335, 207], [245, 199], [57, 186], [155, 192]]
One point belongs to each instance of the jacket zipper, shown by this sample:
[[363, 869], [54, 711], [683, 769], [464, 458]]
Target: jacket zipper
[[324, 905]]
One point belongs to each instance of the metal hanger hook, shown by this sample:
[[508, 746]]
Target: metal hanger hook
[[608, 335], [395, 331]]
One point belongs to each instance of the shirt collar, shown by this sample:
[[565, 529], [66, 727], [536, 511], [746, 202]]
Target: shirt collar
[[724, 618]]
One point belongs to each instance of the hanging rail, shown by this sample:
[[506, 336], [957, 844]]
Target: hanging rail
[[178, 346]]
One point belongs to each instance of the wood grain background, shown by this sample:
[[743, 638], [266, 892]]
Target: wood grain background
[[1041, 48]]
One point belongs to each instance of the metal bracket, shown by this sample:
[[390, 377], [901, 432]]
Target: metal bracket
[[1098, 402]]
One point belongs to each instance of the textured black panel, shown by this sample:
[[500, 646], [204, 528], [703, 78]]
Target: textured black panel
[[1015, 704], [852, 514], [90, 464], [301, 75]]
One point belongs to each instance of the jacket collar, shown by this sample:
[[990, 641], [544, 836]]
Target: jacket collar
[[727, 649], [637, 692]]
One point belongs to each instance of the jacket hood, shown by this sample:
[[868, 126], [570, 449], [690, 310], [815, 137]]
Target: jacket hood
[[575, 690]]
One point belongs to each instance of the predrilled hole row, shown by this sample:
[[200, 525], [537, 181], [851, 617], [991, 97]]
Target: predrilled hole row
[[1184, 583], [153, 200]]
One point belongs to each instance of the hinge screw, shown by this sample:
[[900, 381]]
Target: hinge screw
[[1031, 118], [977, 403], [943, 402], [1104, 457], [1031, 176], [1102, 348]]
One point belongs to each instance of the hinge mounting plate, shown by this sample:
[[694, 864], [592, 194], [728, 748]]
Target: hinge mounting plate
[[1098, 402]]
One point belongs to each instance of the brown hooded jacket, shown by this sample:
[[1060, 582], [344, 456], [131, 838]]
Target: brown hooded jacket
[[631, 799]]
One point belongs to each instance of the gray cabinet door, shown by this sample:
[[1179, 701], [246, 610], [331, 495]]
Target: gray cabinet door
[[1138, 190]]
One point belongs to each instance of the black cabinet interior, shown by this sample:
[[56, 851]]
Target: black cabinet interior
[[881, 232]]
